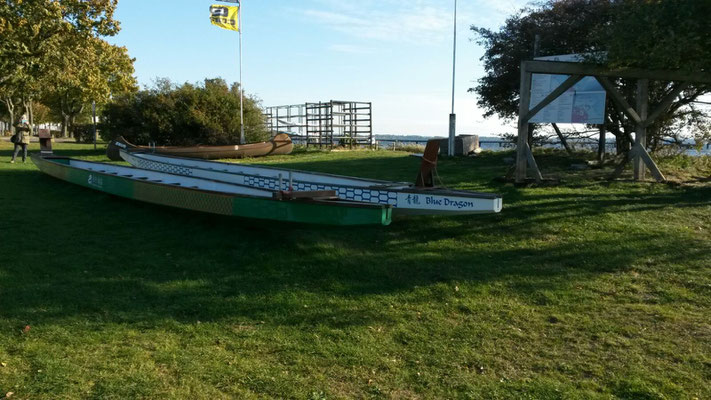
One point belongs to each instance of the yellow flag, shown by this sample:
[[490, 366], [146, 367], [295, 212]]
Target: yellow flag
[[226, 17]]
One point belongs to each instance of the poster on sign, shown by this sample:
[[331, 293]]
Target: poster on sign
[[584, 103]]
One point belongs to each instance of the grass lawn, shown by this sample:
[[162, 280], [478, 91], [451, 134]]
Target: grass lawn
[[583, 290]]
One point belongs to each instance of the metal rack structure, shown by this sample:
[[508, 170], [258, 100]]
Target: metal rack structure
[[332, 123]]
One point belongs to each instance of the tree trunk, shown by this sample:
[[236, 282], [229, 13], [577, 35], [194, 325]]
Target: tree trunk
[[601, 145], [11, 112], [69, 112], [72, 118], [29, 111], [563, 141], [655, 138], [531, 129], [623, 139], [65, 125], [12, 122]]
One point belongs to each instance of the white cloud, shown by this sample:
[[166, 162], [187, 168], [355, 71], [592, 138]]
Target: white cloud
[[350, 49], [377, 26], [416, 23], [413, 21]]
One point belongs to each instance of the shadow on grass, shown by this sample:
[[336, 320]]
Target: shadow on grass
[[72, 252]]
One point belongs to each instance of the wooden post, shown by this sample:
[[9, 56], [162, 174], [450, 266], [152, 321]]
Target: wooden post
[[521, 144], [641, 131]]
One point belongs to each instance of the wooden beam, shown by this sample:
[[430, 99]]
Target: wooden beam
[[647, 159], [641, 152], [562, 88], [618, 99], [666, 102], [522, 142], [533, 164], [634, 151], [640, 137], [571, 68]]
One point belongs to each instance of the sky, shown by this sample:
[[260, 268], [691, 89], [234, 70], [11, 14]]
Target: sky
[[396, 54]]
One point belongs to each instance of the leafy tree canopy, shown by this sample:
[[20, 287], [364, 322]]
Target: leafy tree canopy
[[651, 34], [86, 71], [55, 48], [34, 30], [659, 34]]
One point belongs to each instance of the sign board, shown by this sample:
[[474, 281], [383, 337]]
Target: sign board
[[584, 103]]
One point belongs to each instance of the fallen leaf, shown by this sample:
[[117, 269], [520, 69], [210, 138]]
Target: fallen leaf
[[3, 364], [26, 329], [9, 394]]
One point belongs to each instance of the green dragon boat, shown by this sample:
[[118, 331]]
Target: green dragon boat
[[210, 196]]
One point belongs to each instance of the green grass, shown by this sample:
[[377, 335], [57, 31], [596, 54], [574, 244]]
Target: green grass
[[583, 290]]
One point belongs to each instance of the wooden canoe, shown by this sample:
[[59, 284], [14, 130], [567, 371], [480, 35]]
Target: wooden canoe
[[211, 196], [280, 144], [405, 198]]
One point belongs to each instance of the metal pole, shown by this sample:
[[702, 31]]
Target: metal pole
[[241, 89], [453, 116], [93, 120]]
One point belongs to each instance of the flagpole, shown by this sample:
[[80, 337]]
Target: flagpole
[[241, 88]]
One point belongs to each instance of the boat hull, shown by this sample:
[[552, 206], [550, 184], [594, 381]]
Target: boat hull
[[214, 202], [280, 144], [404, 198]]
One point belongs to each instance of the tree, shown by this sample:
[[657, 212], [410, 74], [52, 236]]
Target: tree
[[659, 34], [41, 113], [593, 26], [9, 100], [91, 70], [184, 115], [34, 36]]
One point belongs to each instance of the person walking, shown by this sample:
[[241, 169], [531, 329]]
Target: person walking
[[23, 140]]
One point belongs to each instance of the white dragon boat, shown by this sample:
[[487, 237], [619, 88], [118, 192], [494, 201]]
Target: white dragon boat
[[405, 198]]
